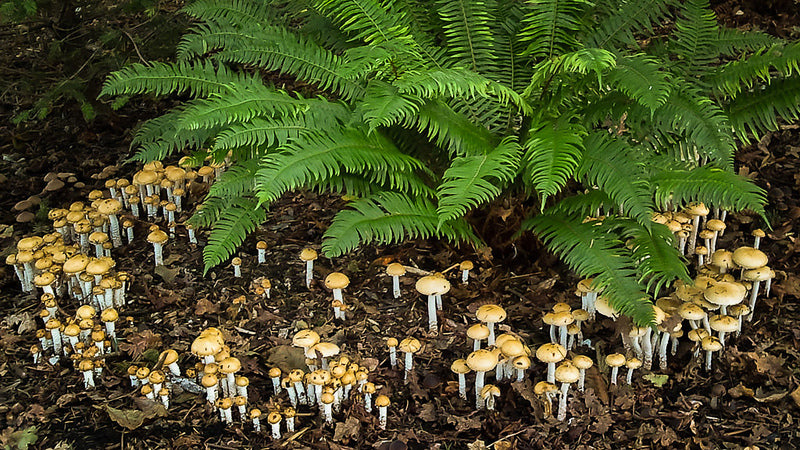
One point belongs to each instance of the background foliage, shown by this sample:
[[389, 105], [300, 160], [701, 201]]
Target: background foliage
[[426, 110]]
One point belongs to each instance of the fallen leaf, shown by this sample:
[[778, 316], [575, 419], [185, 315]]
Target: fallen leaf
[[464, 423], [740, 390], [766, 363], [167, 274], [205, 306], [656, 379], [19, 440], [135, 344], [347, 430], [525, 389], [428, 413], [477, 445], [796, 396], [24, 322], [150, 408], [128, 418], [763, 397]]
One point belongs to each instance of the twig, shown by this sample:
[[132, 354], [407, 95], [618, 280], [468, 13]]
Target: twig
[[136, 47], [505, 437]]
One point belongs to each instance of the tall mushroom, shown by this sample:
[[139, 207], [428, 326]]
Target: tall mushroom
[[756, 276], [725, 294], [480, 361], [696, 211], [382, 403], [465, 267], [395, 270], [723, 324], [550, 354], [615, 361], [158, 238], [336, 281], [566, 374], [308, 255], [460, 368], [583, 363], [431, 286], [409, 346], [490, 314], [710, 344]]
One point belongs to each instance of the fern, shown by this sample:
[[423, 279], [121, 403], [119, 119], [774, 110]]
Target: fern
[[640, 77], [384, 105], [552, 154], [236, 220], [621, 19], [389, 217], [551, 27], [196, 79], [757, 112], [469, 39], [472, 180], [708, 184]]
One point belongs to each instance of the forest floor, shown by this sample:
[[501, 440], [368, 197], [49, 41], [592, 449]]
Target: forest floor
[[750, 398]]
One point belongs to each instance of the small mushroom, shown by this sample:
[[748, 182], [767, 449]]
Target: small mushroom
[[391, 344], [409, 346], [308, 255], [395, 270], [382, 403], [550, 354], [158, 238], [275, 376], [237, 267], [583, 363], [336, 281], [480, 361], [477, 333], [615, 361], [465, 267], [632, 364], [490, 314], [255, 418], [723, 324], [460, 368], [432, 286], [546, 391], [710, 344], [566, 374], [489, 394]]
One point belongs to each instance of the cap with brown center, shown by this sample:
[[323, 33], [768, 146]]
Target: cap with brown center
[[749, 257], [725, 294]]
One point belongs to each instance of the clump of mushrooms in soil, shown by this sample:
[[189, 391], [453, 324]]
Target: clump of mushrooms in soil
[[73, 264]]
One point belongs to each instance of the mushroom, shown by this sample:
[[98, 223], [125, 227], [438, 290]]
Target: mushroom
[[306, 339], [562, 319], [255, 417], [546, 391], [327, 409], [756, 276], [275, 376], [237, 267], [190, 231], [749, 258], [229, 366], [431, 286], [158, 238], [477, 333], [710, 345], [696, 211], [580, 316], [261, 248], [369, 390], [36, 353], [225, 405], [722, 260], [758, 234], [465, 267], [550, 354], [241, 405], [242, 383], [296, 377], [391, 344], [460, 368], [382, 403], [632, 364], [738, 311], [718, 227], [723, 324], [521, 363], [308, 255], [156, 379], [697, 335], [701, 253], [336, 281], [488, 394], [490, 314], [725, 294], [409, 346], [566, 374], [147, 391], [53, 326], [86, 366], [615, 361], [395, 270], [288, 415], [111, 207], [480, 361], [583, 363], [326, 350], [547, 319]]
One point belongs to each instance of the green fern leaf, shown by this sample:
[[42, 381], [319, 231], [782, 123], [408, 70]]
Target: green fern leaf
[[619, 20], [451, 131], [552, 154], [608, 163], [710, 185], [551, 27], [239, 12], [236, 181], [472, 180], [756, 112], [591, 251], [640, 78], [384, 105], [735, 76], [468, 37], [198, 79], [238, 219], [389, 217], [368, 20], [695, 31], [262, 133]]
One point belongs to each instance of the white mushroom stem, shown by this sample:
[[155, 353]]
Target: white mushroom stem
[[211, 394], [276, 430], [476, 345], [674, 348], [581, 379], [165, 401], [292, 396], [158, 254], [116, 237], [256, 424], [767, 287], [192, 237], [629, 378], [562, 336], [753, 297], [409, 363], [438, 301], [393, 357], [699, 260], [693, 235], [647, 347], [722, 338], [301, 393], [465, 276], [290, 424], [310, 274], [276, 385], [55, 334], [135, 209], [174, 368], [551, 372], [662, 351], [490, 339], [318, 394], [708, 359], [432, 320], [562, 402], [327, 412], [756, 242], [706, 324], [382, 416], [396, 286], [614, 371], [462, 386], [237, 271], [88, 379], [367, 402], [553, 338], [262, 255], [478, 388], [637, 347]]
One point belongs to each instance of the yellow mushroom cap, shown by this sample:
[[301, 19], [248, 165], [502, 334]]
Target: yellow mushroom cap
[[481, 360], [169, 355], [582, 362], [391, 342], [490, 313], [725, 293], [711, 344], [382, 401], [274, 372], [308, 254], [490, 390], [305, 338], [395, 269], [615, 360], [551, 353], [409, 345], [460, 366], [543, 387], [157, 237], [749, 257], [432, 285], [567, 373], [466, 265], [336, 280], [327, 398], [478, 331], [255, 413]]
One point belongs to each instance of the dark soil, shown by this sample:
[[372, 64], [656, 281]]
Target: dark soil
[[749, 398]]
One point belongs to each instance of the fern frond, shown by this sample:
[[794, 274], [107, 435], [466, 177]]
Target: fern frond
[[732, 42], [468, 38], [159, 137], [384, 105], [552, 154], [658, 261], [621, 19], [262, 132], [240, 105], [238, 12], [701, 122], [369, 21], [472, 180], [199, 79], [735, 76], [235, 181], [551, 27], [640, 78], [591, 251], [608, 164], [238, 219], [710, 185], [450, 130], [695, 30], [319, 156], [390, 217], [756, 112]]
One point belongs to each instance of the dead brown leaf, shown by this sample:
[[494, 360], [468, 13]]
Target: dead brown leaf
[[767, 363], [464, 423], [135, 344], [796, 396], [127, 418], [24, 322], [428, 413], [167, 274], [347, 430], [205, 306]]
